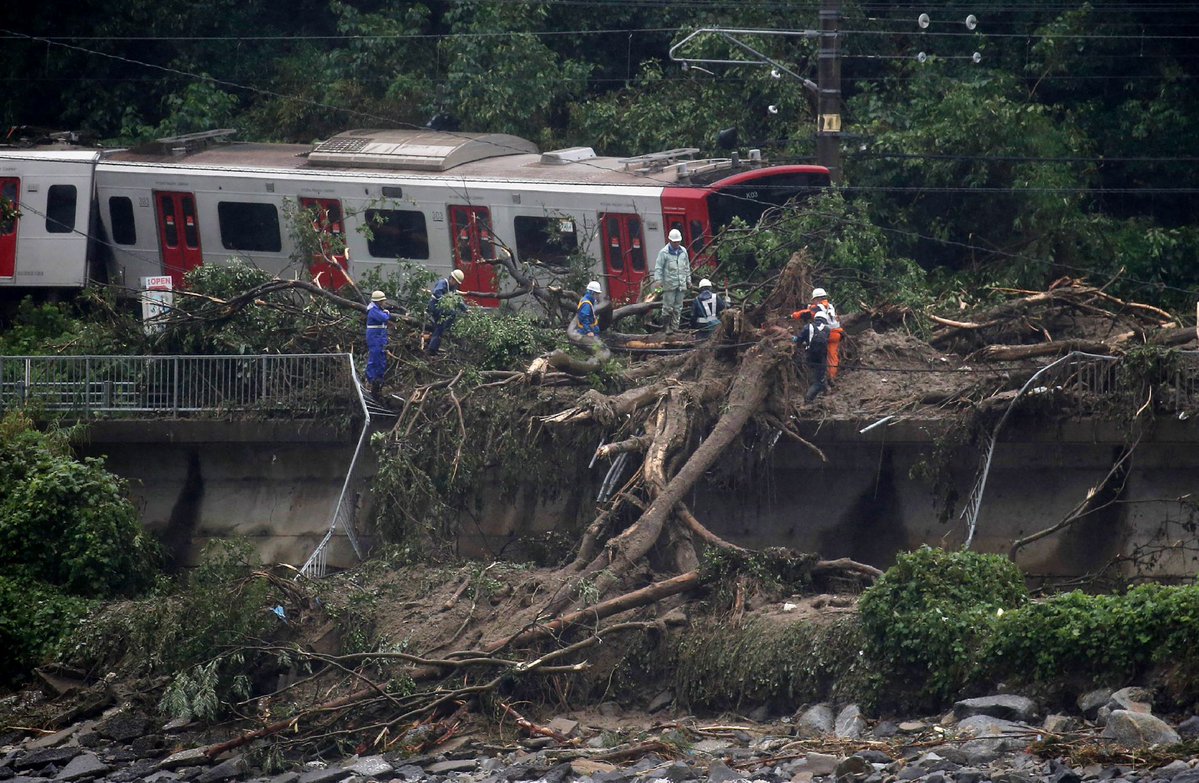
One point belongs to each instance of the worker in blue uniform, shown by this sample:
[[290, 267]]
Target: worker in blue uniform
[[584, 327], [706, 308], [442, 312], [376, 342]]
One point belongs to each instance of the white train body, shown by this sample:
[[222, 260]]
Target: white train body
[[441, 200]]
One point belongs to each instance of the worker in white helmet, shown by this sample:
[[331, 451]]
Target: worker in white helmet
[[706, 308], [444, 311], [584, 327], [819, 320], [376, 341], [672, 273]]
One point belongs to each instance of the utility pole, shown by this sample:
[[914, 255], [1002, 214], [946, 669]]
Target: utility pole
[[828, 109]]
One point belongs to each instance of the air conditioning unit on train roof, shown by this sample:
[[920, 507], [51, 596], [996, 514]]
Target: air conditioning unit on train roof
[[423, 150]]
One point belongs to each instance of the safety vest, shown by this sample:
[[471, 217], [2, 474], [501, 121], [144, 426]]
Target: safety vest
[[824, 311], [708, 306]]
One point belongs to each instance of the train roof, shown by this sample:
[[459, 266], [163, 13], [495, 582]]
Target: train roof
[[432, 154]]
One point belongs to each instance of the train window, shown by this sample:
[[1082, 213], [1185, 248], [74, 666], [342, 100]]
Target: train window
[[60, 209], [551, 241], [246, 226], [397, 233], [9, 191], [615, 253], [170, 233], [123, 230], [636, 245], [191, 232], [697, 238]]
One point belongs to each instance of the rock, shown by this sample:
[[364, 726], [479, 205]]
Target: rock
[[226, 770], [1010, 776], [912, 727], [122, 727], [967, 775], [1189, 728], [676, 772], [1175, 767], [661, 701], [991, 736], [1005, 706], [327, 775], [1138, 729], [610, 709], [177, 724], [168, 777], [1059, 724], [821, 763], [444, 767], [83, 766], [803, 776], [711, 745], [1089, 703], [409, 772], [885, 729], [852, 768], [815, 721], [589, 767], [371, 767], [1186, 776], [564, 726], [184, 758], [849, 723], [55, 739], [1132, 699], [1060, 773], [875, 756], [40, 758], [719, 772]]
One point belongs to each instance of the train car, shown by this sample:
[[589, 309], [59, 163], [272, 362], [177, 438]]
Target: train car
[[48, 245], [443, 200]]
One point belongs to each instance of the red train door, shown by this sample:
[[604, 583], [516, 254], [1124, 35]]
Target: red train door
[[687, 210], [328, 269], [178, 234], [624, 255], [10, 189], [470, 234]]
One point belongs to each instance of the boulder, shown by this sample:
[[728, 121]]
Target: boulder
[[815, 721], [226, 770], [85, 765], [1189, 728], [1005, 706], [852, 769], [984, 737], [122, 727], [849, 723], [371, 767], [1133, 699], [719, 772], [40, 758], [1138, 729], [661, 701], [1059, 724], [821, 763], [1089, 703]]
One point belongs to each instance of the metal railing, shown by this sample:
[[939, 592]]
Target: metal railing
[[271, 386], [316, 566]]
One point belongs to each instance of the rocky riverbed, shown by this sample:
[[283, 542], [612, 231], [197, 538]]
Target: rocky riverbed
[[1004, 738]]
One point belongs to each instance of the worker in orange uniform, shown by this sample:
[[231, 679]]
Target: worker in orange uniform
[[823, 309], [820, 336]]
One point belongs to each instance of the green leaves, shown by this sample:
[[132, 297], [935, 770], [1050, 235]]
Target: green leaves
[[67, 522]]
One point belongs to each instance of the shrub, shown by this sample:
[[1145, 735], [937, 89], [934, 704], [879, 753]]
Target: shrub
[[926, 615], [67, 522], [34, 620]]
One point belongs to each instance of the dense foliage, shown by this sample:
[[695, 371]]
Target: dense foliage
[[67, 533], [926, 616], [67, 521]]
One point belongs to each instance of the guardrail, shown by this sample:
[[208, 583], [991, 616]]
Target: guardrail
[[271, 386]]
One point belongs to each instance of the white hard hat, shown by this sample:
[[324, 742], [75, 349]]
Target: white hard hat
[[594, 286], [819, 293], [674, 235], [378, 296], [458, 275], [705, 283]]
